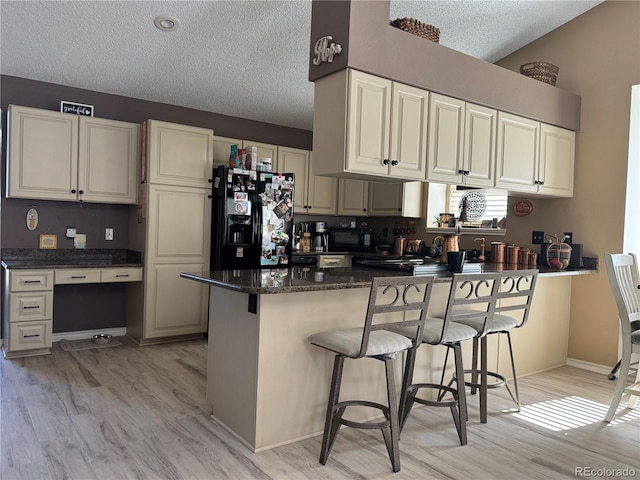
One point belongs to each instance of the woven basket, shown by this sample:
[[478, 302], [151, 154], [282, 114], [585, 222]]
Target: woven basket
[[418, 28], [542, 71]]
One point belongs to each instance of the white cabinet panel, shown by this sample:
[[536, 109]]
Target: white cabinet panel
[[517, 153]]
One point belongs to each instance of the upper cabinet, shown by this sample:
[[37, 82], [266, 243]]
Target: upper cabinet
[[395, 199], [313, 194], [367, 125], [461, 142], [353, 197], [534, 157], [59, 156], [183, 155], [222, 150]]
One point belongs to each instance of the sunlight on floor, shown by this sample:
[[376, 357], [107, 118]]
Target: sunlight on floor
[[572, 412]]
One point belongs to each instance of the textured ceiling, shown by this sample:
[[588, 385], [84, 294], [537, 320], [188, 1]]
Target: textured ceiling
[[241, 58]]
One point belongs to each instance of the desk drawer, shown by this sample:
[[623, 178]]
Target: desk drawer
[[30, 336], [31, 280], [24, 307], [133, 274], [80, 275]]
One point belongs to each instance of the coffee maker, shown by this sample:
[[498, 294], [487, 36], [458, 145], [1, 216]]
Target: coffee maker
[[320, 238]]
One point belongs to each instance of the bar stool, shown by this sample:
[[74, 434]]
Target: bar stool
[[513, 302], [471, 297], [391, 300]]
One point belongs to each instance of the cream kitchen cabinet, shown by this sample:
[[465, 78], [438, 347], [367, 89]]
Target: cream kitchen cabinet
[[178, 155], [173, 229], [461, 142], [395, 199], [385, 124], [313, 194], [222, 150], [533, 157], [27, 312], [59, 156], [353, 197]]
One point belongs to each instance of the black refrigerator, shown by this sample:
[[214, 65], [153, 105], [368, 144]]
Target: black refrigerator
[[252, 225]]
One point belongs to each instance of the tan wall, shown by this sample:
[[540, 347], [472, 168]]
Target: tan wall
[[599, 58]]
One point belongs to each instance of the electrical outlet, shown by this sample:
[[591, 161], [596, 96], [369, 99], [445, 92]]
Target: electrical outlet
[[537, 237], [568, 237], [108, 233]]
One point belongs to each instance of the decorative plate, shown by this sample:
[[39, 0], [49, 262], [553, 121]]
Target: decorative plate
[[522, 208], [476, 204]]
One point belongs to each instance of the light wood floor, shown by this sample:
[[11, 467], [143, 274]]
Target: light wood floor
[[139, 412]]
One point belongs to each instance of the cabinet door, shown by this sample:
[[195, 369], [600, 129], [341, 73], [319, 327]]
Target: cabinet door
[[43, 154], [221, 147], [108, 159], [353, 197], [479, 146], [368, 125], [296, 161], [446, 138], [408, 142], [322, 193], [178, 234], [179, 154], [555, 170], [517, 153], [385, 199]]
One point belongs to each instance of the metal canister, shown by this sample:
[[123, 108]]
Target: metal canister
[[524, 256], [513, 254], [498, 252], [533, 259]]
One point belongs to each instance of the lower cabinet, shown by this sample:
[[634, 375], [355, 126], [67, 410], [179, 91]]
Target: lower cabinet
[[27, 301]]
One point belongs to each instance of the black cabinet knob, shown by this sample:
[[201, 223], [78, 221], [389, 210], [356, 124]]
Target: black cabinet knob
[[209, 196], [210, 180], [394, 163], [73, 190], [81, 192], [385, 161], [461, 172]]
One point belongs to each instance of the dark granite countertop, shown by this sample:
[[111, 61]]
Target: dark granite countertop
[[27, 258], [308, 279]]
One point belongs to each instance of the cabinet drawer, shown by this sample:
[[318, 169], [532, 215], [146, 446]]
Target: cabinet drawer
[[328, 261], [30, 336], [80, 275], [121, 274], [31, 280], [25, 307]]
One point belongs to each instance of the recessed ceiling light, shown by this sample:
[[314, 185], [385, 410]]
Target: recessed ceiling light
[[166, 23]]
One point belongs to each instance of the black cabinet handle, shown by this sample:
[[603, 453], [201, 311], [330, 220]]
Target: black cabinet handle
[[122, 275], [394, 163], [210, 180], [460, 172], [30, 307], [364, 209], [81, 192], [32, 281], [78, 276], [209, 196], [385, 161], [73, 190], [31, 336], [541, 183]]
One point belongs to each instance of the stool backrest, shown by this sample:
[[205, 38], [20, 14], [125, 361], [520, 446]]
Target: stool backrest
[[515, 294], [472, 297], [390, 295], [622, 270]]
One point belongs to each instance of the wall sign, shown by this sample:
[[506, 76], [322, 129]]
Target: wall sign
[[325, 51], [76, 108]]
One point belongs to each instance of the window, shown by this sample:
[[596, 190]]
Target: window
[[482, 204]]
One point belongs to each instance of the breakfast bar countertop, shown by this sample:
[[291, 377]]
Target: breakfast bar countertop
[[308, 279]]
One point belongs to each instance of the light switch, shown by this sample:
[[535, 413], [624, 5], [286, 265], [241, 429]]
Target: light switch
[[71, 232]]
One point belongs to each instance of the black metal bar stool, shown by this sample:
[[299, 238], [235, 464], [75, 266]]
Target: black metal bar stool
[[471, 297], [391, 300]]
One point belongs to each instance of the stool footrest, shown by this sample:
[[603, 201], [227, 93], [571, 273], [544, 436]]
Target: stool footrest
[[340, 407], [435, 403], [501, 380]]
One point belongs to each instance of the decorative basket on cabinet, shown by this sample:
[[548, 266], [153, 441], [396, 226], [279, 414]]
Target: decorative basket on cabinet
[[418, 28], [542, 71]]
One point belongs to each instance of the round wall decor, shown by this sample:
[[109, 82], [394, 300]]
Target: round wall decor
[[523, 208]]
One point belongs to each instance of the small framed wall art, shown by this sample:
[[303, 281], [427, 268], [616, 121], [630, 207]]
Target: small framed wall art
[[48, 241]]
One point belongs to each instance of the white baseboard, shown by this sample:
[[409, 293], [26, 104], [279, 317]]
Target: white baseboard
[[80, 335], [592, 367]]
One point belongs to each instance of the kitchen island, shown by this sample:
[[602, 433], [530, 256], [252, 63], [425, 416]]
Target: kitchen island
[[268, 386]]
